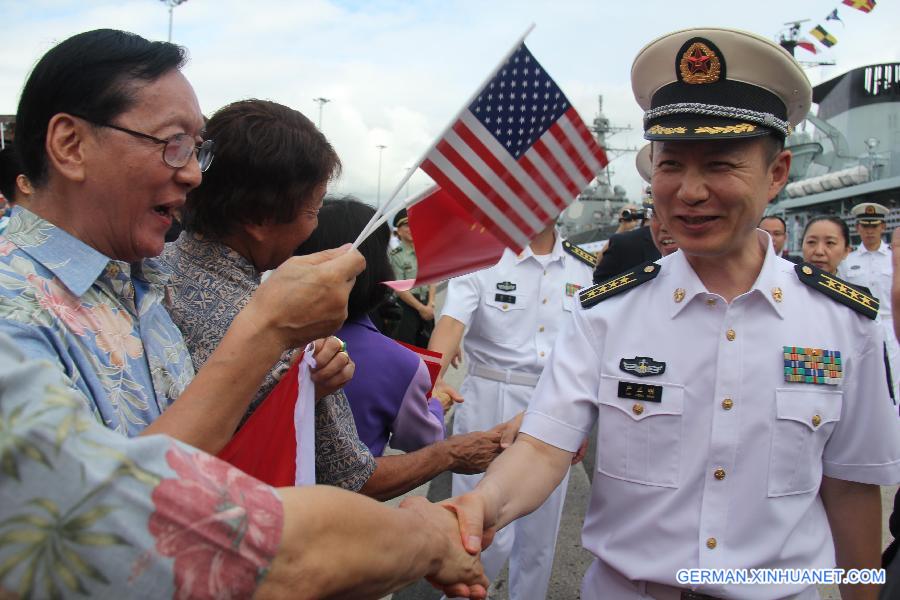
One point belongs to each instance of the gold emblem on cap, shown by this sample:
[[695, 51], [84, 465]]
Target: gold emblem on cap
[[660, 130], [777, 294], [870, 210], [679, 295], [722, 129], [699, 64]]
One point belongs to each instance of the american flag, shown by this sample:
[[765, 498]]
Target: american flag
[[518, 154]]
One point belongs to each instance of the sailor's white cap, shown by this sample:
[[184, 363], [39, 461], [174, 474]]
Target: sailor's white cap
[[718, 83]]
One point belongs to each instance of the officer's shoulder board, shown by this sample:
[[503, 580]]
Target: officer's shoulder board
[[396, 250], [580, 253], [858, 298], [629, 279]]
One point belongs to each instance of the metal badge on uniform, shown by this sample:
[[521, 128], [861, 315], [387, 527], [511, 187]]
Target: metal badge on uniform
[[506, 286], [642, 366], [572, 289], [812, 365], [505, 298], [640, 391]]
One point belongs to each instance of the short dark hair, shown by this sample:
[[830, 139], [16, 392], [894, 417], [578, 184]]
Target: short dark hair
[[10, 169], [340, 222], [777, 218], [269, 160], [845, 230], [91, 74], [773, 145]]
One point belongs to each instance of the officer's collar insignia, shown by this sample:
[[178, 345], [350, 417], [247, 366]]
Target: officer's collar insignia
[[506, 286], [857, 298], [642, 366], [618, 284], [580, 253], [700, 62], [812, 365], [571, 288]]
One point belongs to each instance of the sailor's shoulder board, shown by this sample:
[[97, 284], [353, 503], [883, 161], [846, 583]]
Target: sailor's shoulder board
[[580, 253], [856, 297], [629, 279]]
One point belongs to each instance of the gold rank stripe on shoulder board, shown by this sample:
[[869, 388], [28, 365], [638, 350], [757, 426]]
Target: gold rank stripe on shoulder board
[[580, 253], [609, 288], [859, 299]]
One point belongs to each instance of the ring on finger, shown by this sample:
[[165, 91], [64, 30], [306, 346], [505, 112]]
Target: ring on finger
[[342, 343]]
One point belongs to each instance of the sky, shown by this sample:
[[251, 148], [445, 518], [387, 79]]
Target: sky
[[397, 72]]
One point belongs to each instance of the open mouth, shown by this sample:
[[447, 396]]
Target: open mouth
[[697, 220], [667, 241]]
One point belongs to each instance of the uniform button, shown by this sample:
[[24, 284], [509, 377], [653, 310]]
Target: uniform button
[[541, 329], [637, 409], [816, 420], [710, 301], [545, 272], [542, 354], [544, 301], [730, 335], [505, 306], [727, 403], [711, 543], [719, 473]]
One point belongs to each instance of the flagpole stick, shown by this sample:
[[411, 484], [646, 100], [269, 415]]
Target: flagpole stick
[[379, 210], [378, 220]]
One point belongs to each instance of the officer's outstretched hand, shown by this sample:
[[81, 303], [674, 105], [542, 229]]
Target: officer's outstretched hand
[[459, 573], [895, 284], [476, 521]]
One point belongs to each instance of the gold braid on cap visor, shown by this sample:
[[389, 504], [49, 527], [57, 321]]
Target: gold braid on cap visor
[[725, 112]]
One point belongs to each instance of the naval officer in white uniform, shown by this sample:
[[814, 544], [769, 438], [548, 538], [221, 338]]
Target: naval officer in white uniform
[[511, 314], [742, 407], [870, 266]]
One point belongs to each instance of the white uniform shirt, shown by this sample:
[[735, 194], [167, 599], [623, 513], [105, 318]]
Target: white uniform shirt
[[872, 270], [732, 455], [512, 310]]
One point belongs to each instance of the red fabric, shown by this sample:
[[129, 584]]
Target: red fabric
[[863, 5], [448, 240], [431, 359], [807, 45], [266, 446]]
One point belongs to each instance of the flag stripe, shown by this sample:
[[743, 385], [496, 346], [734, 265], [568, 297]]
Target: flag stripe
[[588, 149], [459, 196], [562, 151], [543, 153], [541, 173], [497, 187], [463, 185], [486, 193], [536, 202], [541, 192]]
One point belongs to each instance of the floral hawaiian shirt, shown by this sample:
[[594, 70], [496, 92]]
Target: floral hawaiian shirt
[[211, 283], [101, 321], [86, 512]]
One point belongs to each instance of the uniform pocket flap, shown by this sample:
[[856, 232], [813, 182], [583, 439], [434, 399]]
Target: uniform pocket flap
[[641, 399], [812, 408]]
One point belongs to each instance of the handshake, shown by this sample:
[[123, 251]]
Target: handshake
[[458, 525]]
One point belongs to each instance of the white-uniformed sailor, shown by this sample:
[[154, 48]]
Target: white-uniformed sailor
[[740, 399], [512, 314], [870, 266]]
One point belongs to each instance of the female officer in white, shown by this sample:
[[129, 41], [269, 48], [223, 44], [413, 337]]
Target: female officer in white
[[740, 409], [513, 312]]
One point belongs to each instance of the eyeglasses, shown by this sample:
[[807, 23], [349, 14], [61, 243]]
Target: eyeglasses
[[177, 150]]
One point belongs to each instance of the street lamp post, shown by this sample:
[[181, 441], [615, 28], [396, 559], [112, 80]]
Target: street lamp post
[[322, 102], [381, 148], [172, 4]]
